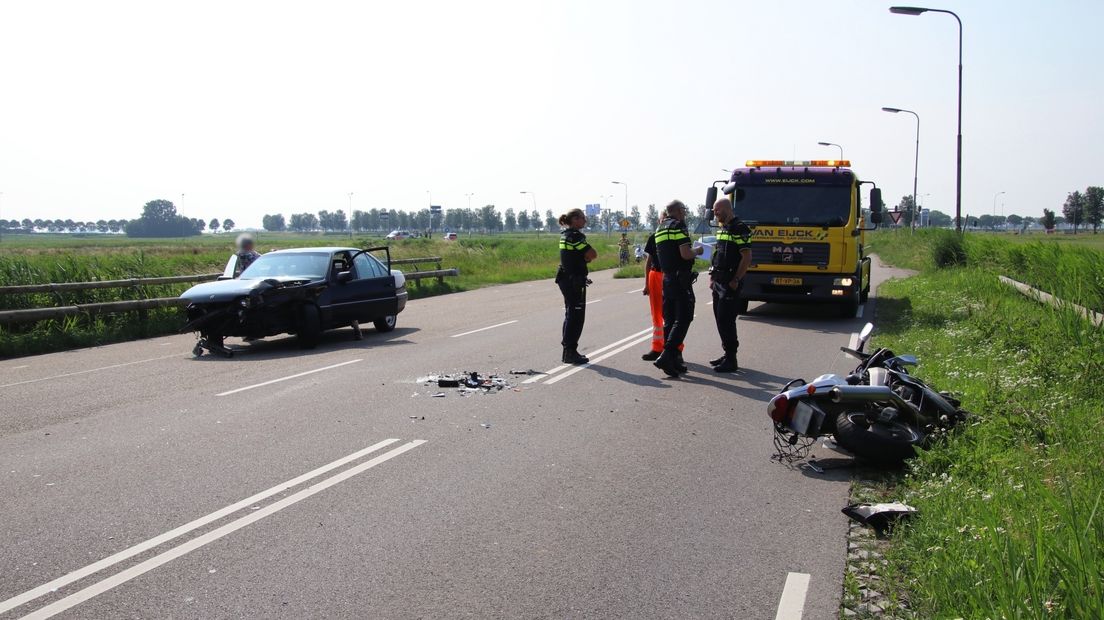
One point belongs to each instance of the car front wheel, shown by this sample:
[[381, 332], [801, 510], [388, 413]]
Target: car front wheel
[[385, 324]]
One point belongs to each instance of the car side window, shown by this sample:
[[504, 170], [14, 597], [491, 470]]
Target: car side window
[[364, 267]]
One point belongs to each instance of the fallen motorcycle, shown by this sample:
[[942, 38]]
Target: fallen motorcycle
[[878, 412]]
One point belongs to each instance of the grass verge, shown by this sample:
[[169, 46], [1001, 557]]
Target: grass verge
[[1012, 507]]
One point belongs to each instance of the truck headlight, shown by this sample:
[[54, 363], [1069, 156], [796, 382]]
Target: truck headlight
[[843, 281]]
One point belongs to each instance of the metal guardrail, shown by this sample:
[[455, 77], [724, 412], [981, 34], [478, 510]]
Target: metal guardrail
[[41, 314]]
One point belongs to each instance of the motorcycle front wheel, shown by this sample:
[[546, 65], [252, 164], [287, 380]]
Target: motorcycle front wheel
[[890, 443]]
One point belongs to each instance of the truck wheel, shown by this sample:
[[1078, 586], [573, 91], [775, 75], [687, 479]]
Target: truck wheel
[[310, 326], [386, 324], [882, 442]]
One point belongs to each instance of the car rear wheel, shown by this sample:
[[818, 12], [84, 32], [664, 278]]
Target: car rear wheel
[[310, 326], [386, 324]]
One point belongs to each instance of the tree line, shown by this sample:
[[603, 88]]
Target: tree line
[[159, 219], [484, 219]]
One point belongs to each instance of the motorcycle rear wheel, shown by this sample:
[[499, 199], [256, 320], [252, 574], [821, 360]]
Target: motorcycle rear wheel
[[890, 443]]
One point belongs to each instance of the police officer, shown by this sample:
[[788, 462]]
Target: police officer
[[676, 259], [731, 258], [575, 253]]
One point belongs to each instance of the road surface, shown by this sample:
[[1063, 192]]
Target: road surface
[[138, 481]]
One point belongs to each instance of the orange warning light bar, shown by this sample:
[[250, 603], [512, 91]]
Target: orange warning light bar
[[831, 163]]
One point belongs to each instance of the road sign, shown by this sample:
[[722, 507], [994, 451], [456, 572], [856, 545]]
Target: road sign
[[385, 217], [625, 224], [434, 209], [592, 210], [896, 216]]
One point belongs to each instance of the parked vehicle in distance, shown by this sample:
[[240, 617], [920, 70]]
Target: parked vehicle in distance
[[450, 236], [301, 291], [400, 234]]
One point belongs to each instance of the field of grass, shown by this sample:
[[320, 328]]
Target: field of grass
[[37, 259], [1011, 507]]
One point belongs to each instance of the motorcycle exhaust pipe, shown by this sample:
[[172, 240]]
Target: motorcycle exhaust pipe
[[868, 394]]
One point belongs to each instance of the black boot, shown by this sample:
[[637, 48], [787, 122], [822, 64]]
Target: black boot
[[572, 356], [680, 365], [666, 363], [720, 360], [727, 365], [650, 356]]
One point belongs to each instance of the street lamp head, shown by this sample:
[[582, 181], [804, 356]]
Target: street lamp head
[[894, 110], [907, 10], [617, 182], [825, 143]]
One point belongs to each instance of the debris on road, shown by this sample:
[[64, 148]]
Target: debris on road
[[524, 372], [467, 383], [881, 517], [485, 425]]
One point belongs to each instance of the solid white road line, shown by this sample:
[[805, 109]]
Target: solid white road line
[[83, 372], [295, 376], [638, 291], [483, 329], [141, 547], [557, 369], [23, 366], [593, 302], [595, 360], [792, 604], [144, 567]]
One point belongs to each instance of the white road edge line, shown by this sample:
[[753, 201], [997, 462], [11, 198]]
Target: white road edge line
[[83, 372], [595, 360], [792, 603], [142, 547], [295, 376], [483, 329], [557, 369], [144, 567], [638, 291], [853, 343]]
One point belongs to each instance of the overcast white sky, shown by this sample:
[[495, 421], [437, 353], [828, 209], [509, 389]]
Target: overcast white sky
[[249, 108]]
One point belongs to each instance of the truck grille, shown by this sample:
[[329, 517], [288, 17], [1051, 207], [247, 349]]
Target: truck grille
[[774, 253]]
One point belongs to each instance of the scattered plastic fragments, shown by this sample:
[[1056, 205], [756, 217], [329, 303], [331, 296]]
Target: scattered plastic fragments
[[468, 382], [881, 517], [439, 395], [485, 425]]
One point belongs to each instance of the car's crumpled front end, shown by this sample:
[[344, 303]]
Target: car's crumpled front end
[[246, 308]]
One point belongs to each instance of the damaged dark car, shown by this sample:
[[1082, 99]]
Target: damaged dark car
[[302, 291]]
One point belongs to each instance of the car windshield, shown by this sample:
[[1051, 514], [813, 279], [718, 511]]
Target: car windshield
[[781, 205], [299, 264]]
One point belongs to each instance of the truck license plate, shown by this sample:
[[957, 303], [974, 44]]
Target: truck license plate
[[786, 281]]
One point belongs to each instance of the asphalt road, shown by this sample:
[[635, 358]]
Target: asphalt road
[[138, 481]]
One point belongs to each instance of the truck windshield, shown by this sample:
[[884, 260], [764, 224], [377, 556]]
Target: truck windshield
[[795, 205]]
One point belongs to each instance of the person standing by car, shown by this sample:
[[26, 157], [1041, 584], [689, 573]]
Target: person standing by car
[[676, 259], [245, 253], [653, 290], [731, 258], [571, 277]]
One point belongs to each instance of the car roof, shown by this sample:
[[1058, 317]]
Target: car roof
[[328, 249]]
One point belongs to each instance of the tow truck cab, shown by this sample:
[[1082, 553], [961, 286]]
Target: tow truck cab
[[808, 240]]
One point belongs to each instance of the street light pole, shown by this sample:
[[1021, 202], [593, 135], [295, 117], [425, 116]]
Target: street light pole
[[915, 165], [469, 199], [913, 10], [534, 197], [626, 186], [995, 202], [350, 215], [835, 145]]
